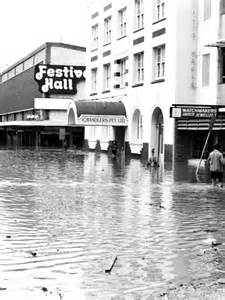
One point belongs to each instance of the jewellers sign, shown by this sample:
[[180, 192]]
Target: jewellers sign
[[193, 112], [103, 120], [58, 79]]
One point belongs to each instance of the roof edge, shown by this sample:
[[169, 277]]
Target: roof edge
[[40, 48]]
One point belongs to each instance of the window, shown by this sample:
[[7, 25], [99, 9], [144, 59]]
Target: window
[[159, 62], [4, 77], [222, 6], [94, 80], [207, 9], [137, 128], [122, 71], [122, 23], [139, 68], [29, 63], [139, 14], [159, 10], [19, 69], [107, 30], [106, 77], [205, 69], [11, 73], [222, 51], [95, 37]]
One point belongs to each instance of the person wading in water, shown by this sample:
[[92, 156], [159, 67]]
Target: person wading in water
[[215, 161]]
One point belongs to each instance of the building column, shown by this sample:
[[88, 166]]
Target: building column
[[37, 139]]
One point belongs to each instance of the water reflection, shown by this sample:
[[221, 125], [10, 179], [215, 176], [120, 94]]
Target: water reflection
[[78, 211]]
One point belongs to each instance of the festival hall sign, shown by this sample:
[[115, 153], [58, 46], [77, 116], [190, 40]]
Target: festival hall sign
[[58, 79]]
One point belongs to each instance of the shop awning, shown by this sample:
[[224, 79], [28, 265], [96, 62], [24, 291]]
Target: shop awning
[[97, 112], [218, 44]]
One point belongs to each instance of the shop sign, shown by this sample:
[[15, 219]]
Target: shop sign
[[193, 112], [58, 79], [101, 120]]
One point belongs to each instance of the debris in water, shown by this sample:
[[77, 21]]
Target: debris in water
[[215, 243], [109, 270], [33, 253]]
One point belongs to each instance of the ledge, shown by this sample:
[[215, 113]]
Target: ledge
[[157, 81], [161, 20], [106, 91], [139, 29], [122, 37], [93, 94], [137, 84], [104, 45]]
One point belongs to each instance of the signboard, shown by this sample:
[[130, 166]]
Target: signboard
[[102, 120], [58, 79], [193, 112]]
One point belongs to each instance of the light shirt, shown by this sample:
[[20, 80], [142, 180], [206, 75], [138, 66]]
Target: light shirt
[[215, 160]]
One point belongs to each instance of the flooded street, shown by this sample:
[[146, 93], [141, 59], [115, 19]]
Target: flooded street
[[66, 216]]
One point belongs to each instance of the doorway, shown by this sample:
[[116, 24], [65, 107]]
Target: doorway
[[157, 140], [119, 133]]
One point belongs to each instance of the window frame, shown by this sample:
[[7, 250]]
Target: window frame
[[94, 44], [206, 69], [107, 30], [222, 65], [207, 9], [138, 77], [159, 10], [94, 74], [159, 62], [122, 22], [106, 77], [139, 15], [123, 71]]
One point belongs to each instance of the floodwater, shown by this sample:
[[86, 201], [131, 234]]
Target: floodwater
[[65, 216]]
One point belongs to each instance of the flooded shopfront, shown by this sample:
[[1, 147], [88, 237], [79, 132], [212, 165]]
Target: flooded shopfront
[[65, 217]]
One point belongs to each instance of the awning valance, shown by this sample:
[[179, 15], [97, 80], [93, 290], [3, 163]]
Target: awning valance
[[102, 113]]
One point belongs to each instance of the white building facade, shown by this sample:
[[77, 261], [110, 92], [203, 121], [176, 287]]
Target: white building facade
[[207, 101], [155, 56], [140, 53]]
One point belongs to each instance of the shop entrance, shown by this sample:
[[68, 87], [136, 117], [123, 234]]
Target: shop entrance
[[119, 133], [157, 147]]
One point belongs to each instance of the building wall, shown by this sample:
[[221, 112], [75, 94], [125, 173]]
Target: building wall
[[18, 93], [208, 33], [67, 56], [177, 32]]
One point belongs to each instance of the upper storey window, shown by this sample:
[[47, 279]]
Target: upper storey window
[[122, 22], [207, 9], [107, 30], [159, 62], [222, 6], [159, 10], [222, 64], [138, 68], [94, 37], [139, 14]]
